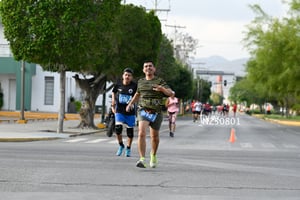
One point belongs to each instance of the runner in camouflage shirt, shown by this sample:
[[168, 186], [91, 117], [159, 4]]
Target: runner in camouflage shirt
[[150, 93], [149, 98]]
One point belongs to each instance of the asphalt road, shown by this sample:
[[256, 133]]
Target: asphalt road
[[198, 163]]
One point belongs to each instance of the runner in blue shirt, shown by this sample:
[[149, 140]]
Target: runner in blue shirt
[[122, 94]]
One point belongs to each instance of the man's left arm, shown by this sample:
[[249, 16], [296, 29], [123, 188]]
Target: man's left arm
[[167, 91], [164, 88]]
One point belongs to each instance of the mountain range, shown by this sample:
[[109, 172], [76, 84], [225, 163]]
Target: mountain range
[[219, 63]]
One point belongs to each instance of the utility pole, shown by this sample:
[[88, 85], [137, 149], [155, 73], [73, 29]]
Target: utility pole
[[175, 31], [156, 9], [22, 118], [193, 70], [175, 37], [160, 10]]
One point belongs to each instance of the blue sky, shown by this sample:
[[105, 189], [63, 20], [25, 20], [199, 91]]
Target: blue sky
[[218, 25]]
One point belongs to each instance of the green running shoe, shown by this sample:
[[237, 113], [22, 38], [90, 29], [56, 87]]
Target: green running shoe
[[153, 161]]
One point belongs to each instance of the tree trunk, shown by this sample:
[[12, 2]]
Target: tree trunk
[[61, 115], [87, 113], [92, 88]]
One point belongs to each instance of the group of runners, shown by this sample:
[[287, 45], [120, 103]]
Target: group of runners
[[143, 100], [197, 108]]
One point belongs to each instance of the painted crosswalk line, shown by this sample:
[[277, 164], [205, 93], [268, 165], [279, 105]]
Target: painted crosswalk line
[[76, 140], [242, 145], [290, 146], [96, 141], [246, 145], [116, 142], [268, 145]]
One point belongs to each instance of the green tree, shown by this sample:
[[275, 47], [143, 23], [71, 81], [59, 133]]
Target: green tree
[[131, 43], [202, 90], [173, 71], [244, 91], [88, 37], [166, 61], [138, 34], [182, 84], [216, 99], [60, 36], [274, 47]]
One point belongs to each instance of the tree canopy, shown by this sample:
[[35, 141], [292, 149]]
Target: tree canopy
[[274, 44], [138, 34], [98, 38], [91, 37], [173, 71], [50, 33]]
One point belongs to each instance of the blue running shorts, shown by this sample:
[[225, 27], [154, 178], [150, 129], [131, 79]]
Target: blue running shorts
[[126, 119]]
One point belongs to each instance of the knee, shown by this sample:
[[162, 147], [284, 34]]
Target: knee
[[130, 132], [142, 134], [119, 129], [155, 137], [154, 134]]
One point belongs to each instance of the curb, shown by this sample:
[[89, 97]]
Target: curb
[[288, 123], [87, 133], [33, 139], [28, 139], [282, 122]]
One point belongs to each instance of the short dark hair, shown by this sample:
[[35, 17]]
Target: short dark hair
[[148, 61], [129, 70]]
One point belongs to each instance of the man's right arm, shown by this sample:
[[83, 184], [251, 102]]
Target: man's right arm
[[134, 99]]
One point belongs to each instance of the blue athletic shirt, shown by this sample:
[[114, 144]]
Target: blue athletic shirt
[[123, 94]]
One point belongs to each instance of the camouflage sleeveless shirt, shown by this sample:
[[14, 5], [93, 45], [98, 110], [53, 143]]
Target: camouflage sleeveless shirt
[[149, 98]]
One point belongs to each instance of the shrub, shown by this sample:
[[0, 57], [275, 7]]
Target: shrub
[[77, 105]]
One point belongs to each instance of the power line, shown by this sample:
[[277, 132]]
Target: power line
[[175, 31], [174, 26]]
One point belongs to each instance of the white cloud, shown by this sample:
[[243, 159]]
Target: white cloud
[[215, 37], [218, 25]]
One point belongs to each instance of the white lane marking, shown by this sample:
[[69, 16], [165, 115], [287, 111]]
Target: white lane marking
[[268, 145], [246, 145], [116, 142], [96, 141], [76, 140], [290, 146]]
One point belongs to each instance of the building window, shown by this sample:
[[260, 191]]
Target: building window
[[49, 90]]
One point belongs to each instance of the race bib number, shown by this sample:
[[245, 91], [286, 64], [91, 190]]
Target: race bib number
[[149, 116], [124, 98]]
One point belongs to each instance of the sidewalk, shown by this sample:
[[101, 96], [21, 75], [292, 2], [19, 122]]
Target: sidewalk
[[41, 128]]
